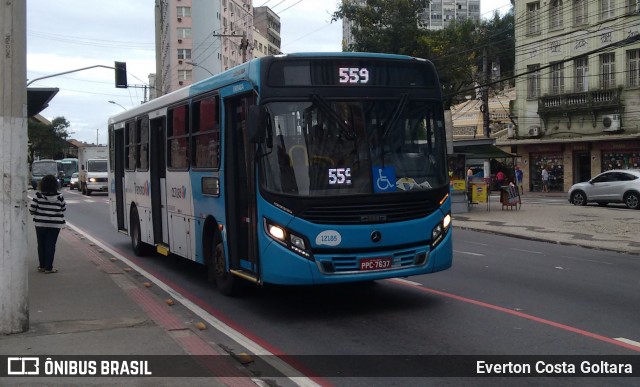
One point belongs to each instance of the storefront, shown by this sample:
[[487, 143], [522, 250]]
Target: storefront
[[549, 156], [617, 155]]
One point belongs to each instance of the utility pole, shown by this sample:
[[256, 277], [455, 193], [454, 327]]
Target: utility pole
[[14, 300], [485, 95]]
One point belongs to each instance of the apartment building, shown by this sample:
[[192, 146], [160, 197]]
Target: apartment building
[[578, 97], [198, 38]]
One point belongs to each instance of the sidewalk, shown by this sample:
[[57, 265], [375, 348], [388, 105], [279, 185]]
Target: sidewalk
[[95, 306], [614, 227]]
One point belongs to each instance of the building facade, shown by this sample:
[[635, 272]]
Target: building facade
[[577, 102], [198, 38]]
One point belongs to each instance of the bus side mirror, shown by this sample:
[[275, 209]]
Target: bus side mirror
[[255, 125]]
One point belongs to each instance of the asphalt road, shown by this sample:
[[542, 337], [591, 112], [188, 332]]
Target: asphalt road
[[503, 296]]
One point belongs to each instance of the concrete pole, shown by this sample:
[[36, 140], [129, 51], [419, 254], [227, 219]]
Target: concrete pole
[[14, 300]]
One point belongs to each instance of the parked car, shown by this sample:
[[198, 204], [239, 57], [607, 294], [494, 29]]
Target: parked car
[[615, 186], [73, 183]]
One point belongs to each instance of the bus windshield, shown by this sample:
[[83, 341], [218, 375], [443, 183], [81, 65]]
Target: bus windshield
[[41, 168], [69, 167], [349, 147]]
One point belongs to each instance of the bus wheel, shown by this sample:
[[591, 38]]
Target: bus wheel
[[139, 247], [225, 281]]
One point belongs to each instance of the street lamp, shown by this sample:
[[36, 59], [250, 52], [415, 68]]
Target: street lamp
[[197, 65], [115, 103]]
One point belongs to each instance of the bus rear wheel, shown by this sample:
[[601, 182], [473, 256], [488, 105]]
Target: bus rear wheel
[[226, 283]]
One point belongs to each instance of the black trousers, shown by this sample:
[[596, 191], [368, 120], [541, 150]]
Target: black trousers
[[47, 238]]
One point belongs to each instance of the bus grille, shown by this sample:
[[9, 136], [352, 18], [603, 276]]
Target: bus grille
[[368, 213], [349, 264]]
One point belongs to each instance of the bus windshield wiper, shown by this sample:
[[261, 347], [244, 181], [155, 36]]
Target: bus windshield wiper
[[395, 115], [329, 111]]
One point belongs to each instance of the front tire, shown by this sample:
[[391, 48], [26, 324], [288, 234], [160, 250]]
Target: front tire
[[226, 282], [579, 198], [632, 200]]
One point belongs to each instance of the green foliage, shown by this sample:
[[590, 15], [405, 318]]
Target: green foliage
[[456, 51], [48, 141]]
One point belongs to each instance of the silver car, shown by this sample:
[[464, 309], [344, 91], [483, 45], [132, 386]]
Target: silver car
[[73, 183], [615, 186]]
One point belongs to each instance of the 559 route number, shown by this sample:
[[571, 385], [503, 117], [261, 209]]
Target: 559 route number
[[353, 75], [339, 176]]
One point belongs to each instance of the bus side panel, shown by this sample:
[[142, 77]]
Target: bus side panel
[[180, 213], [143, 203], [205, 204]]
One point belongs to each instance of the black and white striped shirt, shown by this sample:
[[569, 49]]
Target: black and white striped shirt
[[48, 210]]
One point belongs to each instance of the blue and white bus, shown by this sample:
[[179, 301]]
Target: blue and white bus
[[314, 168]]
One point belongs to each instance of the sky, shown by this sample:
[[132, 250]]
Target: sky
[[65, 35]]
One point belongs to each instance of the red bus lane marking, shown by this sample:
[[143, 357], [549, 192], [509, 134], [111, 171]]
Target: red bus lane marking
[[519, 314]]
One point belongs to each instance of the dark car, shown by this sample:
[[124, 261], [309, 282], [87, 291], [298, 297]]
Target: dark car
[[615, 186]]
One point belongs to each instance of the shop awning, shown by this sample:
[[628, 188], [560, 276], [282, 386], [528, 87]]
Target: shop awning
[[482, 151], [38, 99]]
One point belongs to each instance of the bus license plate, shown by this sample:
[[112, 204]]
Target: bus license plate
[[375, 263]]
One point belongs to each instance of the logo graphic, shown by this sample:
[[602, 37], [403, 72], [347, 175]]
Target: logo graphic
[[142, 189], [329, 238], [385, 178], [179, 192], [23, 366]]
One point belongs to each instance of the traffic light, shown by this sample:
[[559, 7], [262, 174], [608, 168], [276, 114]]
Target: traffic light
[[121, 75]]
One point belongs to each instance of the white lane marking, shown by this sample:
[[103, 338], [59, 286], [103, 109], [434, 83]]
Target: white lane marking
[[527, 251], [586, 260], [296, 376], [468, 253], [635, 343], [477, 243], [407, 281]]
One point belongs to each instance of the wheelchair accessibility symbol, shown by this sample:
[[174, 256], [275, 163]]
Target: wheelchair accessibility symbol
[[385, 179]]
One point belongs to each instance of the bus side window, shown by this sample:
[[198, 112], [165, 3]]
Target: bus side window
[[177, 138]]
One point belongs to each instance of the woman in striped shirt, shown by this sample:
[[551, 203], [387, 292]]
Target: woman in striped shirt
[[48, 208]]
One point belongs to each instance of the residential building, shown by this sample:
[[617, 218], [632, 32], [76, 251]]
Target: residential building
[[268, 23], [198, 38], [467, 117], [578, 100]]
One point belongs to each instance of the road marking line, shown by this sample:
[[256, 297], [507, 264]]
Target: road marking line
[[469, 253], [586, 260], [527, 251], [296, 376], [637, 344], [568, 328], [408, 282]]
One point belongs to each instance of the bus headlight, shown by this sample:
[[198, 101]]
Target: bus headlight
[[286, 237], [440, 230]]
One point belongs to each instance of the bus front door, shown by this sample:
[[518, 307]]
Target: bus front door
[[118, 141], [240, 185]]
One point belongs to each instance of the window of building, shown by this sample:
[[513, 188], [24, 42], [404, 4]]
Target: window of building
[[606, 9], [178, 138], [555, 14], [183, 11], [580, 15], [184, 75], [581, 66], [632, 6], [633, 68], [533, 81], [184, 53], [533, 18], [206, 133], [183, 32], [607, 71], [557, 78]]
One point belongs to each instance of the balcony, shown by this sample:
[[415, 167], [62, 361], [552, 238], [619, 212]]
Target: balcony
[[586, 102]]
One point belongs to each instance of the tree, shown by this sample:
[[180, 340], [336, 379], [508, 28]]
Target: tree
[[456, 51], [48, 141], [384, 26]]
